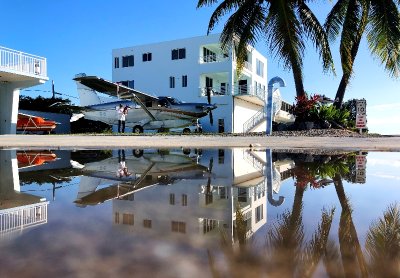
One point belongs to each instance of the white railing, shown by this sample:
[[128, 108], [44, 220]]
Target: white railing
[[18, 218], [214, 91], [22, 62], [247, 65], [255, 120], [249, 90], [214, 58]]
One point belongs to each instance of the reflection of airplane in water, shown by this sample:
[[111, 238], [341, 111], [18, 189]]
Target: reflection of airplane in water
[[102, 180]]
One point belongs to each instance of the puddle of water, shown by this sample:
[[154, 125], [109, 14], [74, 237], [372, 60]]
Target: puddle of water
[[199, 213]]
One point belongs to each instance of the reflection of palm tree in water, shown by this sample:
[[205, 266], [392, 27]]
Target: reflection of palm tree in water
[[350, 248], [290, 256], [383, 244]]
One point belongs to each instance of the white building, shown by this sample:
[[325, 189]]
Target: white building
[[18, 70], [185, 68]]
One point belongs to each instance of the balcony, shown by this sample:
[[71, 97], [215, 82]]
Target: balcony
[[213, 58], [16, 62], [250, 93]]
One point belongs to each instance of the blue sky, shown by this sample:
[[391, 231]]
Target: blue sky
[[78, 36]]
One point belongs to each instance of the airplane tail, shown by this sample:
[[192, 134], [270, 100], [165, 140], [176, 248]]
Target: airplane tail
[[87, 96]]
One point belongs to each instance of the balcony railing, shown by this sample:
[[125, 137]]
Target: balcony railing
[[22, 62], [237, 90], [214, 58], [22, 217], [214, 91], [249, 90]]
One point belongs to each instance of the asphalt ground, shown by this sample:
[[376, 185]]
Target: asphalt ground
[[383, 143]]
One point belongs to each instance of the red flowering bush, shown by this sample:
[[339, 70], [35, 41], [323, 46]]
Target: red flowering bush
[[303, 107]]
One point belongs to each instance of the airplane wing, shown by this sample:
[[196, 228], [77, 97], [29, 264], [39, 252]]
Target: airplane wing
[[113, 89]]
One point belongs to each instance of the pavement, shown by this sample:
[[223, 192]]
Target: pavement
[[386, 143]]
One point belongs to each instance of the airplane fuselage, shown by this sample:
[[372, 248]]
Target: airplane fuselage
[[166, 115]]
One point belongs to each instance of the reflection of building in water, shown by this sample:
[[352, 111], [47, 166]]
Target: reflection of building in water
[[237, 179], [17, 210]]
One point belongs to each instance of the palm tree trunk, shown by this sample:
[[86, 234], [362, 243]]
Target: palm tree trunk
[[341, 90], [351, 237], [298, 79], [348, 69]]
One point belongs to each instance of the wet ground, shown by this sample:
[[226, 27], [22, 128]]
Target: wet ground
[[199, 212]]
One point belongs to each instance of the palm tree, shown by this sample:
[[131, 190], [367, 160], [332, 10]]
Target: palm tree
[[283, 24], [381, 21]]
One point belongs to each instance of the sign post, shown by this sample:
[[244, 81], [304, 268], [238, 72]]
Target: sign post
[[361, 116]]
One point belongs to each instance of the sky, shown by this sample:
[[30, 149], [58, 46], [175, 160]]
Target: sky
[[78, 36]]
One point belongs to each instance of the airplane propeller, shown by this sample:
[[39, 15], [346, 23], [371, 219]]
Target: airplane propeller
[[208, 91]]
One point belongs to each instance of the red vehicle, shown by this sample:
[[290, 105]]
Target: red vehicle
[[30, 123], [34, 158]]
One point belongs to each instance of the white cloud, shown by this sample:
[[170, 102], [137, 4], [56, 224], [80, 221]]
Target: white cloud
[[384, 107], [384, 162], [383, 176]]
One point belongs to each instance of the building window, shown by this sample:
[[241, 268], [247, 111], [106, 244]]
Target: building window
[[172, 82], [127, 61], [221, 156], [242, 195], [178, 227], [116, 218], [179, 53], [209, 225], [209, 56], [172, 199], [184, 80], [127, 219], [147, 223], [116, 62], [128, 83], [259, 213], [209, 82], [147, 57], [184, 200], [259, 68]]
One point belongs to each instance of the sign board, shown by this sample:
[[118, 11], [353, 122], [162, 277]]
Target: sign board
[[361, 121], [361, 107], [361, 161], [360, 176], [361, 165]]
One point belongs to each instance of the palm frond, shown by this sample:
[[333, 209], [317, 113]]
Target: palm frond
[[316, 248], [351, 32], [383, 243], [246, 25], [316, 33], [284, 34], [383, 34], [335, 19], [224, 8]]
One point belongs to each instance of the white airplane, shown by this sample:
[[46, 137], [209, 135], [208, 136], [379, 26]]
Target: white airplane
[[146, 111]]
